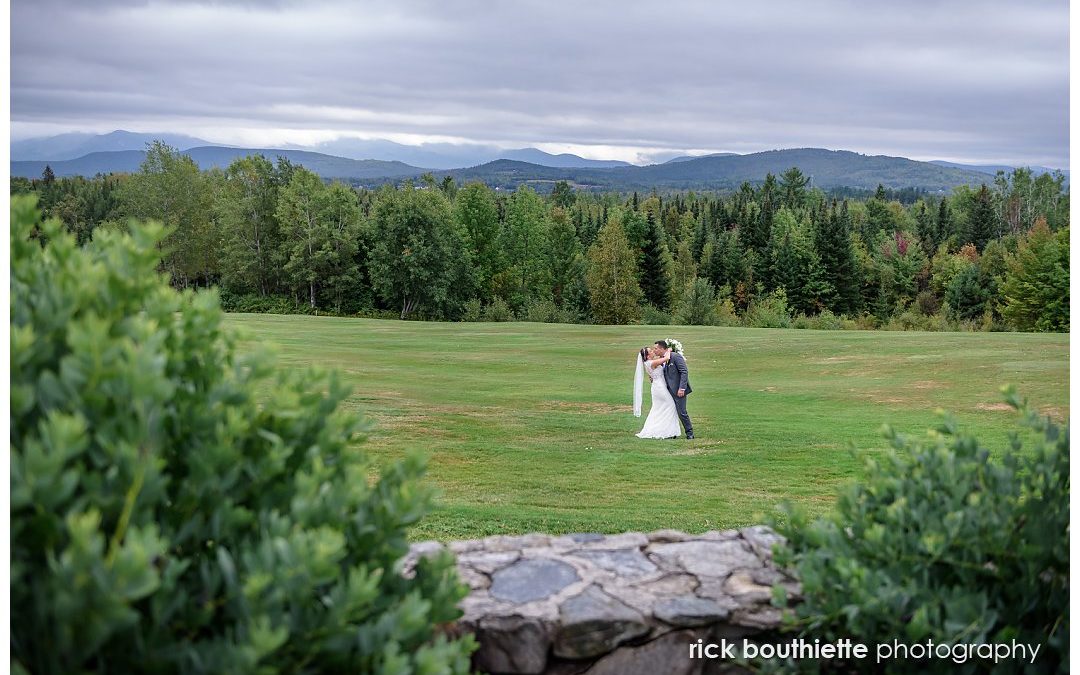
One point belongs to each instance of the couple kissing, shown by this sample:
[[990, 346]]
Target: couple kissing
[[665, 365]]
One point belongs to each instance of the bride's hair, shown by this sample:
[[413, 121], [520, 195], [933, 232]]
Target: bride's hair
[[644, 353]]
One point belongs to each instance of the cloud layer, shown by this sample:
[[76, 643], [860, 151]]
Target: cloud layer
[[968, 81]]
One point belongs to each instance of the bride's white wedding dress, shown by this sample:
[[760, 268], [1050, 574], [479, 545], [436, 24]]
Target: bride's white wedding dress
[[663, 419]]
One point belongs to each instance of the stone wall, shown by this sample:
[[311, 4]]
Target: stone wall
[[621, 604]]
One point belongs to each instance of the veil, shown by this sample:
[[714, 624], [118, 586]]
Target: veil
[[639, 378]]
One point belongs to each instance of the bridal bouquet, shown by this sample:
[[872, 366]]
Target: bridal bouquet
[[675, 346]]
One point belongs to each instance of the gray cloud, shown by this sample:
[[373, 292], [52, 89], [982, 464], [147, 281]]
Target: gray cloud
[[978, 81]]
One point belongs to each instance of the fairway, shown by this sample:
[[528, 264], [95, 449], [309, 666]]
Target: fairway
[[529, 426]]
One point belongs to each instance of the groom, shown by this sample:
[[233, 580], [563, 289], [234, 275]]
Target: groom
[[678, 383]]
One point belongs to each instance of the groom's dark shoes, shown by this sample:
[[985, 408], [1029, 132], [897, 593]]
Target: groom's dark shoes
[[690, 436]]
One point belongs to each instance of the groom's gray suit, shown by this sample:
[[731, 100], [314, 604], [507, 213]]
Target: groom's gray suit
[[678, 377]]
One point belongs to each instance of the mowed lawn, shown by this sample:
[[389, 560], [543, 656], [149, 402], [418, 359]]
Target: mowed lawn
[[529, 427]]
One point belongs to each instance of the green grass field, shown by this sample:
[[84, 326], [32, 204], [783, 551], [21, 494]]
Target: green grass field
[[529, 426]]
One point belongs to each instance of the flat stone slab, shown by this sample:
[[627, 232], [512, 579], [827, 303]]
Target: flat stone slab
[[531, 579], [594, 623], [707, 558], [690, 610], [626, 562]]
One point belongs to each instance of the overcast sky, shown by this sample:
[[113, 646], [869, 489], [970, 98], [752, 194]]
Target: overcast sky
[[977, 81]]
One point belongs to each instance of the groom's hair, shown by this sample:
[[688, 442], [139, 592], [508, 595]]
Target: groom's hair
[[661, 343]]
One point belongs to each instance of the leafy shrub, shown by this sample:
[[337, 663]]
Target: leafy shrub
[[769, 312], [651, 316], [263, 304], [473, 311], [498, 310], [825, 320], [867, 322], [910, 319], [725, 313], [941, 542], [176, 507], [383, 314], [545, 311], [927, 303]]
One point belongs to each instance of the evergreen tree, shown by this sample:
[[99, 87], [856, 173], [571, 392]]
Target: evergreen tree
[[655, 268], [982, 221], [726, 265], [793, 188], [944, 222], [879, 219], [563, 195], [697, 307], [840, 269], [564, 256], [969, 292], [926, 228], [757, 235], [795, 266], [614, 293], [702, 229]]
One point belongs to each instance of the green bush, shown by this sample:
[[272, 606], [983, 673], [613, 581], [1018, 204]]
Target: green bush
[[825, 320], [498, 310], [545, 311], [473, 311], [941, 542], [769, 312], [263, 304], [651, 316], [176, 507], [927, 303], [725, 311]]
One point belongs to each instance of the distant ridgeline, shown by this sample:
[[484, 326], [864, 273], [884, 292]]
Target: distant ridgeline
[[827, 169], [789, 238]]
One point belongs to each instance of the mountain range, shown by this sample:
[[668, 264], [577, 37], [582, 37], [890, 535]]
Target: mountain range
[[377, 162], [428, 155]]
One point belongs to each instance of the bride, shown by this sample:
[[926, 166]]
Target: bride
[[663, 419]]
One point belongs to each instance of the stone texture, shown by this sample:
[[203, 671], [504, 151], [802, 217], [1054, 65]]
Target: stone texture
[[626, 603], [488, 563], [512, 645], [707, 558], [690, 610], [532, 579], [741, 586], [626, 562], [666, 655], [594, 623]]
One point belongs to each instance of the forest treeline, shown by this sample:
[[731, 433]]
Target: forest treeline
[[276, 238]]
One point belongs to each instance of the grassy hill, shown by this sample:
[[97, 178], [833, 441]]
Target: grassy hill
[[529, 426]]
